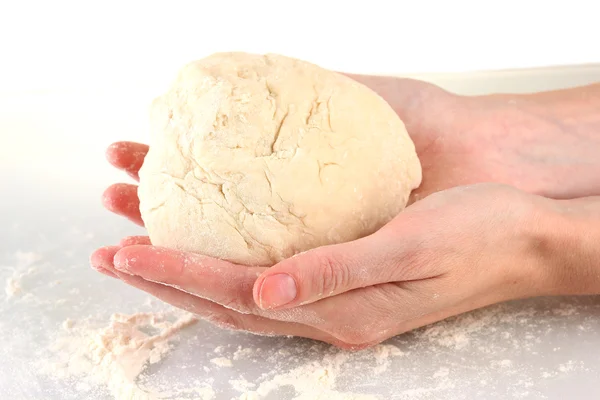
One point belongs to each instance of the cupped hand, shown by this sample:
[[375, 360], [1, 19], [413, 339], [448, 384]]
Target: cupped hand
[[452, 252]]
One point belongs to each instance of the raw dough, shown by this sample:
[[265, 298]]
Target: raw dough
[[254, 158]]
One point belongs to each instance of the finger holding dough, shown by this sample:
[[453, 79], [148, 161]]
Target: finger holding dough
[[122, 199], [127, 156]]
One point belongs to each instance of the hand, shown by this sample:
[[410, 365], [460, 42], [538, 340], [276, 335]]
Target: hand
[[534, 142], [452, 252]]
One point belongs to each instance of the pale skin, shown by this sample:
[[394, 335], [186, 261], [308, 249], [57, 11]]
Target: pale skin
[[509, 208]]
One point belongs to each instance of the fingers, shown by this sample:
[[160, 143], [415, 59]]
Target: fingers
[[353, 320], [127, 156], [225, 317], [222, 292], [102, 260], [219, 281], [122, 199], [386, 256]]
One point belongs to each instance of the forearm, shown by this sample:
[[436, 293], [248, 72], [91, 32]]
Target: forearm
[[576, 112], [576, 109], [557, 134]]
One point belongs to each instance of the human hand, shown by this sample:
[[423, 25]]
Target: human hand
[[449, 253], [543, 143]]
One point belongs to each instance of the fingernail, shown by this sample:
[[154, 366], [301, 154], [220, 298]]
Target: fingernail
[[277, 290]]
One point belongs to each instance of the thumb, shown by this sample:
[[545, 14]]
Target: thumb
[[330, 270]]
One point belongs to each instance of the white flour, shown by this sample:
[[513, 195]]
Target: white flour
[[311, 381], [26, 258], [221, 362], [23, 260], [116, 355], [12, 287], [244, 352]]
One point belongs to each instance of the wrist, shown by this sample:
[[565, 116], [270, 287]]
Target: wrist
[[572, 261]]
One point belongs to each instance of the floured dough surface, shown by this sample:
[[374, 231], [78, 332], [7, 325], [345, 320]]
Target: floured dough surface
[[254, 158]]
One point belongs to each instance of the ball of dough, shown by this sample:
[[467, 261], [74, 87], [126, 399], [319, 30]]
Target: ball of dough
[[254, 158]]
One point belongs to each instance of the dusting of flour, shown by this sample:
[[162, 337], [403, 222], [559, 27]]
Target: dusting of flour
[[13, 285], [311, 381], [116, 355], [414, 366]]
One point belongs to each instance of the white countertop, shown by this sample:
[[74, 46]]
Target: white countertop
[[53, 172]]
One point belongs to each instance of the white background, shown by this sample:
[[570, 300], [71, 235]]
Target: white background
[[97, 44], [76, 76]]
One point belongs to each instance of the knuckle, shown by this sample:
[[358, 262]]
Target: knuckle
[[333, 275]]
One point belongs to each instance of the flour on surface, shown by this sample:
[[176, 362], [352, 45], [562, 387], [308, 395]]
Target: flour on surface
[[26, 258], [305, 370], [12, 287], [318, 379], [116, 355], [221, 362], [244, 352], [22, 268]]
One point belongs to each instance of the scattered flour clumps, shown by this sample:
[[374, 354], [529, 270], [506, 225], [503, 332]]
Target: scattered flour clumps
[[243, 352], [222, 362], [114, 356], [26, 258], [383, 356], [12, 287], [311, 381]]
